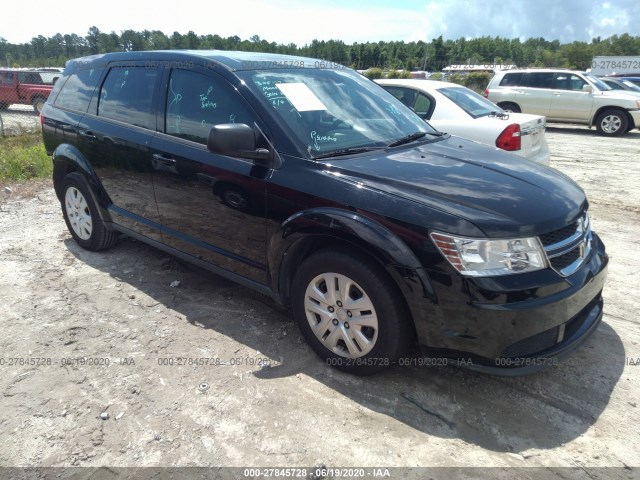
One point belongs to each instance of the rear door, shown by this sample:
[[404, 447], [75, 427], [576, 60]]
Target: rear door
[[211, 206], [115, 135], [534, 93]]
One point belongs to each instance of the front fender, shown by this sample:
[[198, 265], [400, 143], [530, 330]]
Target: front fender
[[348, 226]]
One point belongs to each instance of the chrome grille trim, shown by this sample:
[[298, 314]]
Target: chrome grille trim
[[579, 243]]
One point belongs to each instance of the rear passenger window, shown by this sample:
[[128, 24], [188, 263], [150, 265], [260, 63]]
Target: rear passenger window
[[77, 90], [195, 102], [127, 95], [511, 80], [538, 80]]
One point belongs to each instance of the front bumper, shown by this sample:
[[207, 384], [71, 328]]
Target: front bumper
[[516, 324], [635, 115]]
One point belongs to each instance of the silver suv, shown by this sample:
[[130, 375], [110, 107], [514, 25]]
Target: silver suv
[[566, 96]]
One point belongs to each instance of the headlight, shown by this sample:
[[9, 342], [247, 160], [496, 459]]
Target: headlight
[[491, 257]]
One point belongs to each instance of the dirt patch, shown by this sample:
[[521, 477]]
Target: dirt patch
[[104, 362]]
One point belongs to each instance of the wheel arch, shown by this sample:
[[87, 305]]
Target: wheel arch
[[600, 110], [68, 159], [319, 228]]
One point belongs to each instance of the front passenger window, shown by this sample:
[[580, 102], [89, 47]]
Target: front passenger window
[[196, 102]]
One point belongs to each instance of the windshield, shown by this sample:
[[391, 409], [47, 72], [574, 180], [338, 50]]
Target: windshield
[[469, 101], [600, 85], [335, 110], [630, 85]]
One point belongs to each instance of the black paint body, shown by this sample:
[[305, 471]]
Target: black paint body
[[170, 192]]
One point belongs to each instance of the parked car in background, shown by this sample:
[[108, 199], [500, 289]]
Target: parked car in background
[[374, 228], [632, 77], [462, 112], [620, 84], [27, 87], [566, 96]]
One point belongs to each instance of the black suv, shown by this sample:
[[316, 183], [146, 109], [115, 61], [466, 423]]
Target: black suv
[[309, 183]]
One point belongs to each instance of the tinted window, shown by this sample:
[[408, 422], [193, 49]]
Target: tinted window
[[127, 95], [511, 80], [538, 79], [6, 77], [76, 92], [30, 77], [195, 102], [569, 81]]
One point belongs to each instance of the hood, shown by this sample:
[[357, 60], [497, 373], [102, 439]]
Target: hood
[[621, 94], [501, 194]]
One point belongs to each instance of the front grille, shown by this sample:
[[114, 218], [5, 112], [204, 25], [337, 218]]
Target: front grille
[[563, 261], [568, 247], [558, 235]]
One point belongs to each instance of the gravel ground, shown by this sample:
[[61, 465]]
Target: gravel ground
[[116, 322], [18, 118]]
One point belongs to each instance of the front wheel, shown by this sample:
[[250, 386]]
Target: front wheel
[[81, 215], [612, 123], [350, 312]]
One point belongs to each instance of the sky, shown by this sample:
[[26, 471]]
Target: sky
[[287, 21]]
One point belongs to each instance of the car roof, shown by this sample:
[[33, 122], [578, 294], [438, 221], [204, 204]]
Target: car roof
[[541, 70], [233, 60], [418, 83]]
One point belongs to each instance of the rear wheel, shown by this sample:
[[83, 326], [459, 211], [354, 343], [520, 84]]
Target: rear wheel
[[81, 215], [38, 104], [4, 105], [350, 312], [612, 122], [510, 107]]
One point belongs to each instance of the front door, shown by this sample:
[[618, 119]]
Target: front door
[[211, 206]]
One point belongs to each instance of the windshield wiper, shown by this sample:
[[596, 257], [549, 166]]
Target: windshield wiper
[[409, 138], [414, 136], [347, 151]]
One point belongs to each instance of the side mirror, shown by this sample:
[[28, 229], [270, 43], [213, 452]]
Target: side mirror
[[236, 140], [587, 88]]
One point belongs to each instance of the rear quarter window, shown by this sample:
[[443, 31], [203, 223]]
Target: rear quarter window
[[76, 92]]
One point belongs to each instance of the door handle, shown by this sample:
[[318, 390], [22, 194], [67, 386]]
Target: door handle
[[88, 134], [164, 160]]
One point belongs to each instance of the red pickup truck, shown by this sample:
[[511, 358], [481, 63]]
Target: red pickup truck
[[28, 87]]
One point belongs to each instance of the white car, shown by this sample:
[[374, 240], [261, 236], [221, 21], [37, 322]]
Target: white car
[[462, 112]]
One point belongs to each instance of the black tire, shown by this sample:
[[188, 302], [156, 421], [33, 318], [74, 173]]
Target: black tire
[[612, 123], [4, 106], [371, 348], [510, 107], [38, 103], [81, 215]]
